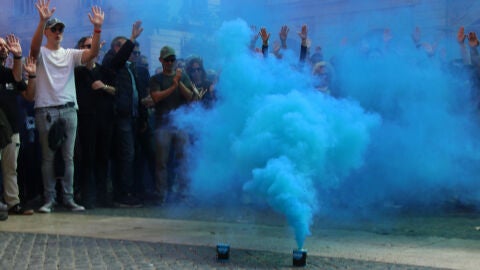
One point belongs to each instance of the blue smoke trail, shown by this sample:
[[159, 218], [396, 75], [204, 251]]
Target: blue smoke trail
[[272, 135]]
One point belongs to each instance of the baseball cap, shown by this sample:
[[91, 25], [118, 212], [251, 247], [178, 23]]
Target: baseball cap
[[166, 51], [52, 22]]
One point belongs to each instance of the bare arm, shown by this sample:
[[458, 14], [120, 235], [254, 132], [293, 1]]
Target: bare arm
[[283, 36], [160, 95], [99, 85], [473, 43], [186, 92], [461, 42], [303, 34], [45, 13], [265, 37], [97, 20]]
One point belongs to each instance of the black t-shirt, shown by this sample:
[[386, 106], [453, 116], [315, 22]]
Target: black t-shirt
[[92, 101], [9, 90]]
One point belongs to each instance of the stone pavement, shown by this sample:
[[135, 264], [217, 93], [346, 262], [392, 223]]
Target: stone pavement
[[185, 238]]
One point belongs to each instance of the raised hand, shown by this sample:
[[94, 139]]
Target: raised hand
[[461, 35], [30, 66], [416, 35], [43, 7], [178, 75], [254, 37], [303, 34], [13, 45], [136, 30], [253, 28], [284, 33], [97, 17], [265, 35], [472, 39]]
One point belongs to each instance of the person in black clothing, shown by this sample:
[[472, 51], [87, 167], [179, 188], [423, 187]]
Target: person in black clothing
[[11, 84], [144, 143], [95, 126], [128, 114]]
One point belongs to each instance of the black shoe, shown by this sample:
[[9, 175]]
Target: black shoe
[[3, 215], [19, 210], [128, 202]]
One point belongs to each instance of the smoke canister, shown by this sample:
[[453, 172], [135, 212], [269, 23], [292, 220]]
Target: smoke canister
[[299, 257], [223, 252]]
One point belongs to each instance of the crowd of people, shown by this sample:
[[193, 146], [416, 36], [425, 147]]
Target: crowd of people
[[102, 132]]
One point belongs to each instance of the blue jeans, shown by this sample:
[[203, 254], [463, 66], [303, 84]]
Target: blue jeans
[[44, 118]]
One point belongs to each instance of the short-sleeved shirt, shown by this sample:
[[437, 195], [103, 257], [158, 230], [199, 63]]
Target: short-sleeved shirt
[[55, 83], [161, 82]]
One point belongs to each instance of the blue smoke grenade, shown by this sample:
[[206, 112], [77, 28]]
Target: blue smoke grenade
[[271, 136]]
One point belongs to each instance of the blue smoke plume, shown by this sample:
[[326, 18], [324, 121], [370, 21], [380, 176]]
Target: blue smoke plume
[[404, 131], [425, 152], [271, 135]]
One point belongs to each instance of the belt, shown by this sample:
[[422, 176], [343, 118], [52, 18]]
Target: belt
[[58, 107]]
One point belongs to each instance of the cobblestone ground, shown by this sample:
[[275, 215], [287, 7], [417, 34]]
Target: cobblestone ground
[[42, 251]]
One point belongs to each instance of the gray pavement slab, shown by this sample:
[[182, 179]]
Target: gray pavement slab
[[185, 238]]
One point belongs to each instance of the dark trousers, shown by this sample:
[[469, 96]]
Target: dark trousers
[[144, 161], [95, 135], [124, 153]]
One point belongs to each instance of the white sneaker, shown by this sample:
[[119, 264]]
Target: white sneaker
[[47, 207], [70, 204]]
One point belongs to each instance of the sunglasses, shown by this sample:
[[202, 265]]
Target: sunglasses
[[171, 60], [89, 46], [137, 53], [57, 29], [196, 70]]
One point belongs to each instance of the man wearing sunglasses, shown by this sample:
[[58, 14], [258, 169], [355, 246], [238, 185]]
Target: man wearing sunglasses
[[170, 90], [55, 97]]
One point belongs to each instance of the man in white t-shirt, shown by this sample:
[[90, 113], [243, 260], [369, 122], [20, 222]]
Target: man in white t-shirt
[[55, 98]]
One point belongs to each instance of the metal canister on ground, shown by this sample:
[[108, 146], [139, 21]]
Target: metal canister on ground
[[223, 252], [299, 257]]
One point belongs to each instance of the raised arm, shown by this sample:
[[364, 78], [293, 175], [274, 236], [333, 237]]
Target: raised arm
[[283, 36], [30, 67], [303, 34], [254, 37], [461, 41], [96, 18], [188, 93], [14, 47], [265, 37], [45, 13], [473, 43]]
